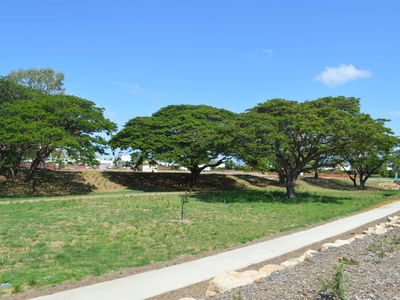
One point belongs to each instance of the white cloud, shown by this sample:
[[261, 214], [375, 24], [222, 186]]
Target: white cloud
[[136, 89], [336, 76], [259, 54]]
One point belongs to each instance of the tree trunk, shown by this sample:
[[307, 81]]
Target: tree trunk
[[32, 169], [354, 179], [316, 174], [363, 180], [12, 174], [31, 172], [282, 178], [195, 175], [290, 186]]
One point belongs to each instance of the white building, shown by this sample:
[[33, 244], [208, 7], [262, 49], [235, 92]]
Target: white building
[[146, 167], [105, 163]]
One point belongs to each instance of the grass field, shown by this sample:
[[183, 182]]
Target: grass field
[[47, 243]]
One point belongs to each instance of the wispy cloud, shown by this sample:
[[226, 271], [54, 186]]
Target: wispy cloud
[[333, 76], [259, 54], [136, 89], [394, 114]]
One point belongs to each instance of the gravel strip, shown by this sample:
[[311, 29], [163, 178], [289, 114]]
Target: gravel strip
[[372, 271]]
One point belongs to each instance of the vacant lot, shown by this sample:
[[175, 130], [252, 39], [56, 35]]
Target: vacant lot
[[47, 243]]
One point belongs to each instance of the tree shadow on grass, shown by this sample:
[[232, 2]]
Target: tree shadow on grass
[[48, 183], [336, 184], [258, 181], [332, 183], [248, 196], [169, 181]]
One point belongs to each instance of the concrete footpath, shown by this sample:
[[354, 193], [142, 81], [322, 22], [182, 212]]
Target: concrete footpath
[[156, 282]]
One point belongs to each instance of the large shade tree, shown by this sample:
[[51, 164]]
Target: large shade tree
[[34, 128], [192, 136], [10, 156], [370, 146], [294, 137]]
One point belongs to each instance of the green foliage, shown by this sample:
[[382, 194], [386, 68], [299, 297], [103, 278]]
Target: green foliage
[[44, 80], [17, 288], [193, 136], [348, 261], [10, 91], [35, 128], [369, 147], [378, 249], [393, 162], [237, 295], [339, 285], [290, 137], [232, 165], [184, 199]]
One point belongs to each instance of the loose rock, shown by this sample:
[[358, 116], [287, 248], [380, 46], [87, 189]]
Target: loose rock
[[292, 262], [269, 269], [228, 281]]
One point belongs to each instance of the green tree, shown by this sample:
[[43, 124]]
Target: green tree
[[45, 80], [11, 91], [394, 161], [10, 157], [370, 144], [291, 137], [193, 136], [33, 129]]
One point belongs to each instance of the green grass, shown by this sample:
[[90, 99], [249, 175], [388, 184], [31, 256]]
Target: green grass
[[46, 243], [38, 197]]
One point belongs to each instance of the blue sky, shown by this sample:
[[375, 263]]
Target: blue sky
[[133, 57]]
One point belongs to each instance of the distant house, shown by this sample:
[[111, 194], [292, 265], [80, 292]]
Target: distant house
[[147, 167], [105, 163]]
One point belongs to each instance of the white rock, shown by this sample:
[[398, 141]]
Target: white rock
[[326, 246], [187, 298], [394, 225], [308, 254], [393, 222], [337, 243], [292, 262], [394, 218], [359, 236], [252, 275], [228, 281], [379, 229], [269, 269], [370, 231]]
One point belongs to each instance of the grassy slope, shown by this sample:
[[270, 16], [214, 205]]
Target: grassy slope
[[47, 243], [89, 182]]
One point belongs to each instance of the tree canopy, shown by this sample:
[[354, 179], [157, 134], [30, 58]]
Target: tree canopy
[[10, 91], [192, 136], [370, 145], [292, 137], [34, 128], [44, 80]]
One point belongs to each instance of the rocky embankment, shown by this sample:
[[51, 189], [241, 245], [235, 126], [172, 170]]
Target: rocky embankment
[[366, 266]]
